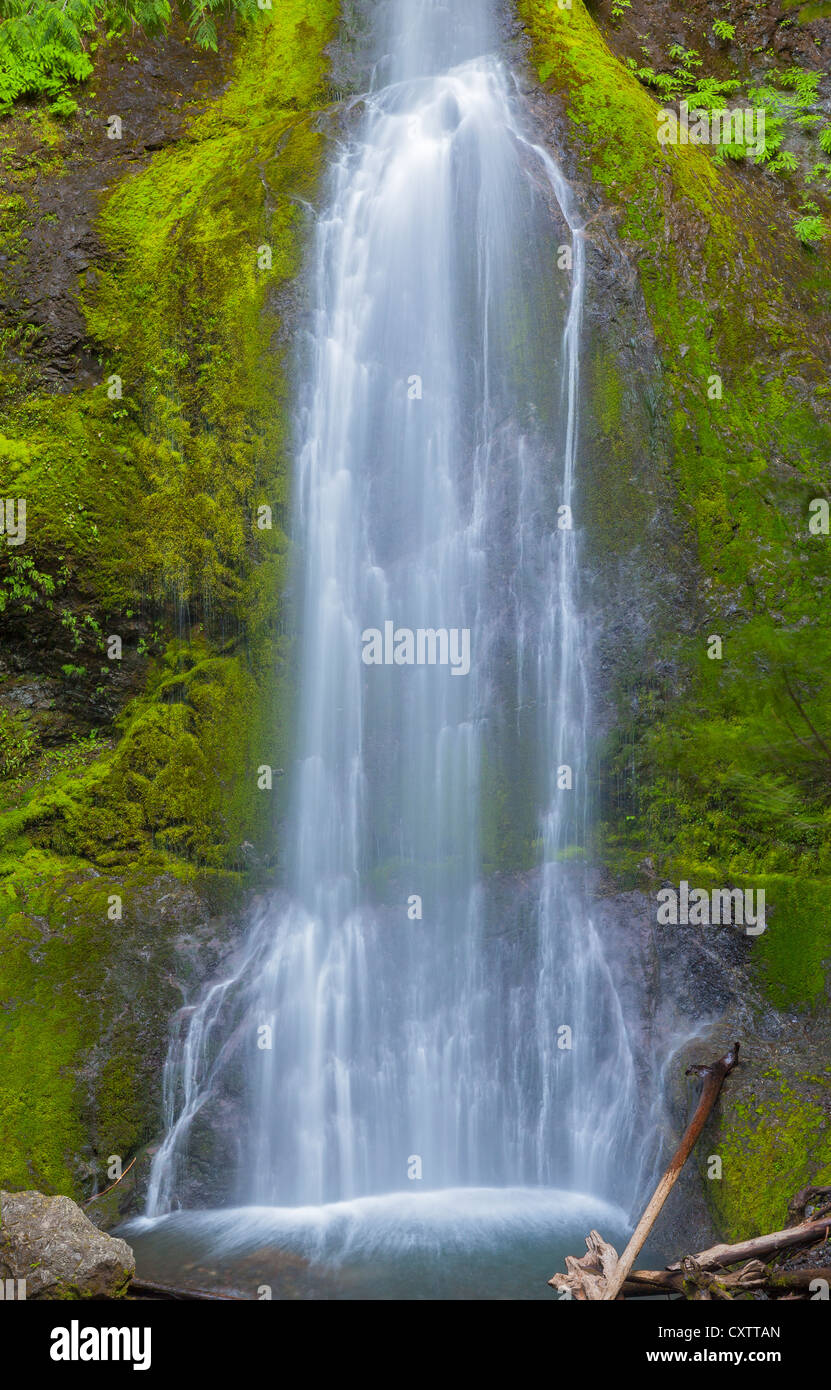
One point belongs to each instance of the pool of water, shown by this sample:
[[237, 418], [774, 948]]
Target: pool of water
[[456, 1243]]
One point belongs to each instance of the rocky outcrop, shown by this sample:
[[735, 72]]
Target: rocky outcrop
[[704, 437], [132, 826], [51, 1244]]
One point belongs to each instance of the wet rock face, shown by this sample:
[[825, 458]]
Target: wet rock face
[[151, 86], [783, 29], [176, 943], [57, 187], [688, 993], [49, 1242]]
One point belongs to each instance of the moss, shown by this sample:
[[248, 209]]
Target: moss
[[794, 952], [618, 483], [142, 522], [714, 767], [771, 1146], [45, 1020], [181, 780]]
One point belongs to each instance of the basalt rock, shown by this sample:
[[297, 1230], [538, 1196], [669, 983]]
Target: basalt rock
[[54, 1247]]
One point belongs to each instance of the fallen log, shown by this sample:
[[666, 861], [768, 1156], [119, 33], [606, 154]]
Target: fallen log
[[146, 1289], [646, 1283], [713, 1076], [600, 1274], [809, 1204], [719, 1256]]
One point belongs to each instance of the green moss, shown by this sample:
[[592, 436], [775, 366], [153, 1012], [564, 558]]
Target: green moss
[[794, 952], [142, 519], [45, 1021], [770, 1148], [716, 767]]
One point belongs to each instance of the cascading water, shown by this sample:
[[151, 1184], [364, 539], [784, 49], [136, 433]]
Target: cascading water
[[481, 1044]]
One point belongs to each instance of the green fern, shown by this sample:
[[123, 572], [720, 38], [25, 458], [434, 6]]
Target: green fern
[[44, 43], [804, 85], [810, 230], [785, 162]]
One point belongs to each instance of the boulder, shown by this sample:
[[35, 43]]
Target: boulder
[[49, 1242]]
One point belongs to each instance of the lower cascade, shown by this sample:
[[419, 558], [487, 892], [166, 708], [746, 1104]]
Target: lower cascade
[[419, 1053]]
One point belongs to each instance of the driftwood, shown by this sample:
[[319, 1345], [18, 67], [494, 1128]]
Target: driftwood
[[600, 1274], [720, 1255], [145, 1289], [645, 1283]]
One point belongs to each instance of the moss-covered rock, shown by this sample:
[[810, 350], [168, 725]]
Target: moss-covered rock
[[773, 1137], [705, 438], [156, 506], [710, 756]]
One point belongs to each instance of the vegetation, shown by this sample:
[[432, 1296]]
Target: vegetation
[[46, 46], [143, 513], [144, 507], [718, 769]]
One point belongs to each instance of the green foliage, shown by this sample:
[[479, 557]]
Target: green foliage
[[723, 30], [781, 97], [810, 229], [785, 162], [42, 46], [803, 84], [17, 743], [785, 97], [22, 585], [46, 44], [773, 1140]]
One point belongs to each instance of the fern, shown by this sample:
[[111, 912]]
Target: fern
[[43, 43], [785, 163], [810, 230], [804, 85]]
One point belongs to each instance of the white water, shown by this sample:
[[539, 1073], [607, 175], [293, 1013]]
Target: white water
[[395, 1038]]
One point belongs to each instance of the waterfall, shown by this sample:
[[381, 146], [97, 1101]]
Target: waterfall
[[436, 1005]]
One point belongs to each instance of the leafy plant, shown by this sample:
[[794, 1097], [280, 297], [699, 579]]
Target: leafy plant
[[24, 585], [810, 229], [17, 743], [46, 44], [63, 107], [723, 30], [41, 46], [804, 85], [785, 163], [820, 170]]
